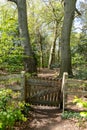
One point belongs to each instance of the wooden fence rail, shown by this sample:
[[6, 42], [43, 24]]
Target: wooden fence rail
[[35, 90], [72, 87], [43, 91], [16, 82]]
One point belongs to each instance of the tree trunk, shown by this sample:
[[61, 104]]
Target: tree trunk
[[29, 61], [41, 50], [52, 52], [69, 8]]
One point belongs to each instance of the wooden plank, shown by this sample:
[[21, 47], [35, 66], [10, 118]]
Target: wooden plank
[[7, 77], [72, 87], [23, 88], [76, 81], [57, 96], [42, 83], [63, 88], [37, 88], [15, 88], [69, 103], [45, 92], [42, 102], [45, 97], [75, 93], [49, 97], [52, 97]]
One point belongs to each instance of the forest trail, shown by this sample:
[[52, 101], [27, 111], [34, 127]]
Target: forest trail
[[48, 72], [49, 118]]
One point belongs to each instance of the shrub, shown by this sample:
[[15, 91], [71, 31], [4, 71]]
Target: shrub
[[67, 115], [10, 109], [81, 72], [83, 104]]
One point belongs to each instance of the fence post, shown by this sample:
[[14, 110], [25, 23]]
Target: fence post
[[65, 76], [23, 86]]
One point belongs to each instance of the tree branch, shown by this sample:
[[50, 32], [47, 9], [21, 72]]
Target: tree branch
[[15, 1], [77, 11]]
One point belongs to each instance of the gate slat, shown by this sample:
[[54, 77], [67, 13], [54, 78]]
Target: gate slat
[[44, 91], [40, 102]]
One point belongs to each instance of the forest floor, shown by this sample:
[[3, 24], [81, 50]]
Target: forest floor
[[49, 118]]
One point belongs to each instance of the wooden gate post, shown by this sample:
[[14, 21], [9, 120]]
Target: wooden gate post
[[64, 80], [23, 86]]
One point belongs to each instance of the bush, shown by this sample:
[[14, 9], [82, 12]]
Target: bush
[[81, 72], [67, 115], [83, 104], [10, 109]]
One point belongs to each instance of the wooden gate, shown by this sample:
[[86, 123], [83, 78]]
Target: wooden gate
[[43, 91]]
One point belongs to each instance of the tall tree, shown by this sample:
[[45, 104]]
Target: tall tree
[[57, 17], [29, 61], [69, 11], [53, 18]]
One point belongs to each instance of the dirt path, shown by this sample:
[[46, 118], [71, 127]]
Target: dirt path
[[48, 73], [49, 118]]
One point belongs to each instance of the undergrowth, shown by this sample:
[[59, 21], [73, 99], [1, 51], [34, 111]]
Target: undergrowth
[[10, 109]]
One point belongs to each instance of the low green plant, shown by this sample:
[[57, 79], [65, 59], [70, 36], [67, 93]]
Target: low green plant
[[10, 109], [76, 116], [11, 50], [83, 104], [80, 72], [70, 114]]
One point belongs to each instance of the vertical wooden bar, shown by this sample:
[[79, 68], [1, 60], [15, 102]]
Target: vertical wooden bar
[[23, 86], [64, 80]]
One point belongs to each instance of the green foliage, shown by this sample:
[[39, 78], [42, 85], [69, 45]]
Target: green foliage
[[78, 60], [80, 120], [83, 104], [42, 25], [81, 73], [10, 109], [79, 55], [11, 51], [67, 115]]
